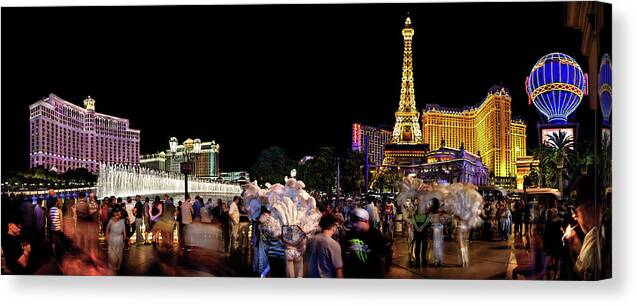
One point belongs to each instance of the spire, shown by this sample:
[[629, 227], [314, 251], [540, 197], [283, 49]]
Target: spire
[[89, 103], [407, 95], [407, 128]]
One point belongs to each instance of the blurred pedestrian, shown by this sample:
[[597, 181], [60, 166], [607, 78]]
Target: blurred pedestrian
[[104, 214], [138, 212], [504, 215], [87, 227], [155, 215], [234, 215], [187, 214], [224, 219], [146, 214], [69, 217], [40, 215], [167, 226], [116, 239], [206, 212], [196, 209]]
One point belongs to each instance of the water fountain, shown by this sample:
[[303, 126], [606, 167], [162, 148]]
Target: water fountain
[[124, 180]]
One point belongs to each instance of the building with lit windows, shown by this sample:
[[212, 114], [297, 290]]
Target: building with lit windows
[[485, 129], [206, 163], [375, 138], [65, 136], [155, 161], [452, 165], [235, 177], [518, 141]]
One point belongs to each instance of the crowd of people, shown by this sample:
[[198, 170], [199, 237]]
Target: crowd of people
[[41, 234], [566, 239], [349, 244]]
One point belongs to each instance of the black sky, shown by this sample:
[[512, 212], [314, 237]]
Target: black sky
[[249, 77]]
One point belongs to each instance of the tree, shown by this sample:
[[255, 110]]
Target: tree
[[79, 175], [272, 166], [320, 172], [388, 180], [558, 150], [352, 171]]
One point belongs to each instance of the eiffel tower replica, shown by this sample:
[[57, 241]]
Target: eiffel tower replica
[[406, 149]]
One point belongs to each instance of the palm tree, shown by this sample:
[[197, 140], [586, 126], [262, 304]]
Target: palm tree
[[560, 147], [556, 153]]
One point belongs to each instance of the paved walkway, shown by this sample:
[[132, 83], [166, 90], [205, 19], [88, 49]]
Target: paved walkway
[[487, 260]]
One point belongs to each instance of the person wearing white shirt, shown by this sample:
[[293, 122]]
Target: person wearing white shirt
[[233, 212], [186, 219]]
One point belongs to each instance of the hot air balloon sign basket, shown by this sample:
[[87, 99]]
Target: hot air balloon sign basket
[[544, 130]]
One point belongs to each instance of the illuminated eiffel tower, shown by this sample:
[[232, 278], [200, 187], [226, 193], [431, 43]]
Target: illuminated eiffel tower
[[407, 129], [406, 148]]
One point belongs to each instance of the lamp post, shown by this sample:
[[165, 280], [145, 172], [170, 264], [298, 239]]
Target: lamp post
[[191, 150]]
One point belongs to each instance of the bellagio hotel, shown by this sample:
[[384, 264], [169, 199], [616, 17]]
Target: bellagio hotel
[[485, 129]]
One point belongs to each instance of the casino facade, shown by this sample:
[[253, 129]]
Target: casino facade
[[64, 136]]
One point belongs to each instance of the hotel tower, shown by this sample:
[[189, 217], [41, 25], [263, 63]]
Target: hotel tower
[[64, 136]]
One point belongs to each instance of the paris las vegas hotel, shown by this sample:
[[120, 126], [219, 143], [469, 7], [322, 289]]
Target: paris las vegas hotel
[[487, 131]]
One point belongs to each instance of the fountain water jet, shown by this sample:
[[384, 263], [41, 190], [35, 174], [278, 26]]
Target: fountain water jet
[[123, 180]]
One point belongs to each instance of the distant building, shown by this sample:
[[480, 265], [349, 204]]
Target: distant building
[[64, 136], [377, 138], [235, 177], [486, 129], [206, 163], [155, 161], [454, 166]]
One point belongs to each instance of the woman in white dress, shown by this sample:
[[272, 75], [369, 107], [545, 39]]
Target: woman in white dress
[[115, 237], [437, 221]]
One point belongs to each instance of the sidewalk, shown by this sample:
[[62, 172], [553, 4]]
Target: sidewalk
[[487, 260]]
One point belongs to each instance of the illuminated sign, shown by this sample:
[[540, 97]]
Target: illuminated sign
[[545, 132], [356, 137]]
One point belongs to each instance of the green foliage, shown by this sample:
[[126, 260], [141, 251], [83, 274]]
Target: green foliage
[[352, 172], [388, 180], [41, 178], [320, 172], [272, 166], [559, 150]]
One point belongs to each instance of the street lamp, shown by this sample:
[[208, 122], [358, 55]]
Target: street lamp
[[191, 149]]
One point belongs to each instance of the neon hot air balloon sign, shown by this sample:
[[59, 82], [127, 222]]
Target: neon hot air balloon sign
[[556, 86]]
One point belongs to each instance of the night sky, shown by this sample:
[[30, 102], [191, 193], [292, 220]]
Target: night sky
[[250, 77]]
